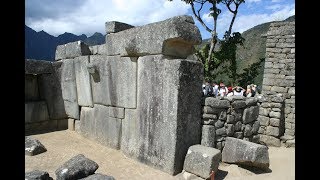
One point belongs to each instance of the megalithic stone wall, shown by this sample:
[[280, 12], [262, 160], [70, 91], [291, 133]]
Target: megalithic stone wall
[[138, 92], [279, 81]]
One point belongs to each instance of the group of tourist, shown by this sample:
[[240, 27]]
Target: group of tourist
[[216, 90]]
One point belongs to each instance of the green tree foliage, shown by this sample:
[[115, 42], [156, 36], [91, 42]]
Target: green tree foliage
[[249, 73]]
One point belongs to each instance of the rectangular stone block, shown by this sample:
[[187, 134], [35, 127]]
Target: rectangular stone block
[[69, 89], [115, 26], [272, 131], [279, 89], [250, 114], [115, 81], [77, 126], [71, 125], [201, 160], [208, 136], [217, 103], [31, 92], [116, 112], [94, 49], [274, 122], [35, 111], [107, 130], [32, 66], [50, 90], [72, 50], [83, 81], [173, 37], [87, 123], [169, 123]]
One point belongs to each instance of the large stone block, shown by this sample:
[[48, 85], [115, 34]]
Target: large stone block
[[217, 103], [83, 81], [250, 114], [238, 104], [41, 127], [32, 66], [50, 90], [174, 37], [272, 131], [87, 122], [115, 26], [37, 175], [269, 140], [33, 146], [201, 160], [208, 136], [245, 153], [116, 112], [31, 92], [107, 129], [69, 89], [72, 50], [168, 123], [115, 81], [35, 111]]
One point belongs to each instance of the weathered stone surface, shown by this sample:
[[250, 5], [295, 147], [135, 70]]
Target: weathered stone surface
[[35, 111], [115, 83], [62, 124], [31, 92], [219, 124], [32, 66], [237, 113], [115, 26], [238, 104], [277, 99], [221, 131], [107, 129], [83, 81], [210, 110], [233, 98], [273, 114], [247, 130], [223, 115], [50, 90], [184, 175], [216, 103], [274, 122], [41, 127], [37, 175], [238, 135], [72, 50], [173, 37], [231, 119], [230, 129], [209, 121], [71, 124], [208, 136], [237, 126], [116, 112], [94, 49], [209, 116], [262, 130], [201, 160], [269, 140], [69, 89], [33, 146], [87, 122], [77, 126], [75, 168], [255, 127], [245, 153], [290, 143], [172, 123], [289, 132], [272, 131], [264, 121], [98, 176], [250, 114], [286, 137], [251, 101]]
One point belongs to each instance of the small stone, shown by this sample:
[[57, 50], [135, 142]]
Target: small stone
[[33, 146], [37, 175]]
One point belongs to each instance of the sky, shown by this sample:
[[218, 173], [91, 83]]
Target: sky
[[89, 16]]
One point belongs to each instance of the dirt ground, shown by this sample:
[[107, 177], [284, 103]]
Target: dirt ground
[[63, 145]]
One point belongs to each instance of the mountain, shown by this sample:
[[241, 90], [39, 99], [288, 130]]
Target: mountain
[[42, 46]]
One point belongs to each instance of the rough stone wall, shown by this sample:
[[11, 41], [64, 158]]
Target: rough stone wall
[[279, 78], [44, 108], [138, 92], [233, 116]]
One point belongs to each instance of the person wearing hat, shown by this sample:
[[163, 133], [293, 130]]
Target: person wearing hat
[[223, 90], [238, 91]]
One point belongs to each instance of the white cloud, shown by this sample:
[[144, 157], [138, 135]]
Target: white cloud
[[89, 17], [252, 1], [274, 7], [276, 1], [245, 22]]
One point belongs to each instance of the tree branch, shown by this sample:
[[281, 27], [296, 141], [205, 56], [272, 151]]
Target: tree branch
[[199, 18]]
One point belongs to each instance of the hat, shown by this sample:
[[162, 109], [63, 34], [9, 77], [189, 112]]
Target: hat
[[230, 88]]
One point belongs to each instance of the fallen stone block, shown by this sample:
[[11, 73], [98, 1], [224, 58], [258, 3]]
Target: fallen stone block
[[37, 175], [98, 176], [201, 160], [32, 66], [33, 146], [115, 26], [77, 167], [245, 153], [173, 37]]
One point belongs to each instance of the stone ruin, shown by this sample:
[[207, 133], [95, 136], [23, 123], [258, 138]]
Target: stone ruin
[[140, 93]]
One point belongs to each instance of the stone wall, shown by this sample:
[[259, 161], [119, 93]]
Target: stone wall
[[44, 107], [234, 116], [139, 92], [279, 78]]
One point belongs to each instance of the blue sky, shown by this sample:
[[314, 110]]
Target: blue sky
[[89, 16]]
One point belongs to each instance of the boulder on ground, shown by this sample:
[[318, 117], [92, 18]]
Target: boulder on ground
[[98, 176], [33, 146], [245, 153], [37, 175]]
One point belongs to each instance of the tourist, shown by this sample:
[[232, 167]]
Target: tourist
[[215, 89], [238, 91], [223, 90], [248, 91]]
